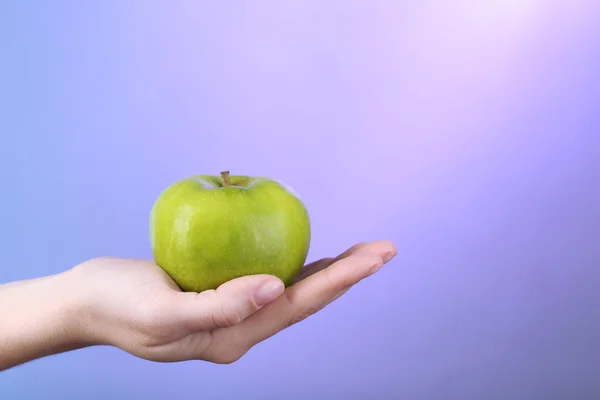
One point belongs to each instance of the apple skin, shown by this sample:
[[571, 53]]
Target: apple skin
[[206, 230]]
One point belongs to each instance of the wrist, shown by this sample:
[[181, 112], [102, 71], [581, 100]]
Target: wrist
[[67, 308], [39, 317]]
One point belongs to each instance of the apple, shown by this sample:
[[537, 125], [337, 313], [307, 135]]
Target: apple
[[206, 230]]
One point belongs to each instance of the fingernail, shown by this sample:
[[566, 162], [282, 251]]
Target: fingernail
[[268, 292], [388, 256]]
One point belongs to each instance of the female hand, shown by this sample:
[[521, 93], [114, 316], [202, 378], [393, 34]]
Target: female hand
[[134, 305]]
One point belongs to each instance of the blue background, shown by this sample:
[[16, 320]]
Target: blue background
[[468, 132]]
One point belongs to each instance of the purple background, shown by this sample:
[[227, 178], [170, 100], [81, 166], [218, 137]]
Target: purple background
[[468, 132]]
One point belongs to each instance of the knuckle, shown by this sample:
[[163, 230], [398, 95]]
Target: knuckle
[[330, 282], [369, 259], [229, 315], [224, 315]]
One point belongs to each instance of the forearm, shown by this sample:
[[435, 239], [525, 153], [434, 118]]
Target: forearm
[[38, 318]]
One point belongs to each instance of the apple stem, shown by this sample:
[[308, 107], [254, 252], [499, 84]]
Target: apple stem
[[225, 176]]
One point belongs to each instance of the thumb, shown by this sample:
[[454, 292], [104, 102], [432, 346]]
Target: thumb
[[230, 303]]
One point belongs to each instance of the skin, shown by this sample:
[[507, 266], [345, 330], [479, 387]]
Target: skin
[[135, 306], [205, 232]]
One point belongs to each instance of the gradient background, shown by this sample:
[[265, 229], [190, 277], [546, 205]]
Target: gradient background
[[468, 132]]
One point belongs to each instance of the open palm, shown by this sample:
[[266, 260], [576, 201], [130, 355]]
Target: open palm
[[134, 305]]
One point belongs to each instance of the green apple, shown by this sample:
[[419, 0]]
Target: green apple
[[206, 230]]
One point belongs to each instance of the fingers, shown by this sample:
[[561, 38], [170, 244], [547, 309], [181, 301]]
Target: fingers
[[326, 262], [310, 294], [228, 305]]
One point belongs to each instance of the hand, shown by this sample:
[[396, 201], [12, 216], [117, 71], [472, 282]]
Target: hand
[[134, 305]]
